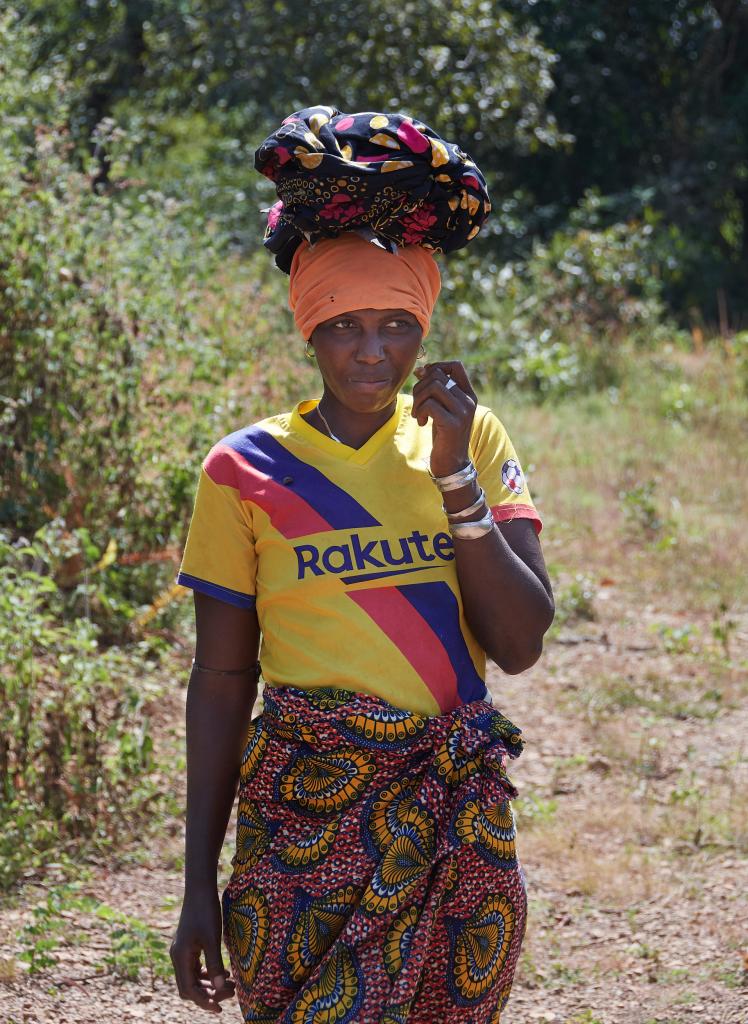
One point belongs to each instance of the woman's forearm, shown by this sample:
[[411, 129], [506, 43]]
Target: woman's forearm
[[506, 605], [504, 586], [218, 715]]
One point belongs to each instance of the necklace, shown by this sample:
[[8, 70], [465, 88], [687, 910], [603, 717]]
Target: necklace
[[327, 425]]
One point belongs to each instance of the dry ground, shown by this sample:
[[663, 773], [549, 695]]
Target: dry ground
[[633, 813]]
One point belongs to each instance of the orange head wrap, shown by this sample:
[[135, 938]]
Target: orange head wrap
[[338, 275]]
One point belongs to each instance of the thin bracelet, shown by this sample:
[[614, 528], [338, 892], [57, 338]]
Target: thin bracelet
[[455, 517], [225, 671], [454, 481], [472, 531]]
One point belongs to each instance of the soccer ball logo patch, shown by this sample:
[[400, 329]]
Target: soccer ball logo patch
[[511, 474]]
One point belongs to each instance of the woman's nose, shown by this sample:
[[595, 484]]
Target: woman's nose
[[371, 348]]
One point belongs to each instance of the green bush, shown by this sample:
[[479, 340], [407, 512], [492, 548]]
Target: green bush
[[129, 343], [568, 318], [96, 305], [76, 753]]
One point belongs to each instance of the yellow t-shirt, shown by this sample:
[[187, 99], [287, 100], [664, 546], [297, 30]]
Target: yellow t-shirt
[[347, 555]]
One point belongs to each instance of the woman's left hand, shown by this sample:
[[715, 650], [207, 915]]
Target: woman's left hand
[[451, 411]]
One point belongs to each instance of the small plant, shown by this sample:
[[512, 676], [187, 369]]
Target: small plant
[[575, 601], [136, 947], [678, 402], [640, 509], [605, 695], [735, 975], [534, 810], [39, 950], [49, 928], [686, 792], [562, 974], [585, 1017], [678, 639], [574, 761], [532, 976], [723, 628], [644, 952]]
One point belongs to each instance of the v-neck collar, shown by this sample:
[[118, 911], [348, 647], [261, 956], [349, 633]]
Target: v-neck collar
[[337, 449]]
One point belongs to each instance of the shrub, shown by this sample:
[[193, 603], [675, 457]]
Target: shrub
[[76, 753], [738, 351], [129, 343], [566, 319]]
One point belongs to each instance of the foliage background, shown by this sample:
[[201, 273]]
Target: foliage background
[[140, 318]]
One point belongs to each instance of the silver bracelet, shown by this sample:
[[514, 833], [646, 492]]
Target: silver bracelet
[[454, 481], [472, 531], [455, 517]]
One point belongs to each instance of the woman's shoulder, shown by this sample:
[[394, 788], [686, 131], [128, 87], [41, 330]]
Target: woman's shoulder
[[261, 432], [256, 444]]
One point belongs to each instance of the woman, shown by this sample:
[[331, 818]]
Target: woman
[[382, 546]]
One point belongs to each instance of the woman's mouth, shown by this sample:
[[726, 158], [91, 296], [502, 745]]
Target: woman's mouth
[[369, 383]]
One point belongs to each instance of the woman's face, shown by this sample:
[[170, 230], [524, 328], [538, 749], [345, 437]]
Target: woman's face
[[365, 356]]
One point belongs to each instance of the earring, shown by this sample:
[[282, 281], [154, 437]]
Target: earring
[[421, 352], [309, 351]]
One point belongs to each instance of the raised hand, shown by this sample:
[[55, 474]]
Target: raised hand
[[444, 395]]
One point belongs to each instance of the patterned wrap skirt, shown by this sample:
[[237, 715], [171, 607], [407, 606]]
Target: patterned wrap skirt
[[375, 878]]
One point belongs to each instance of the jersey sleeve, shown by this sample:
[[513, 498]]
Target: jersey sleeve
[[499, 471], [219, 557]]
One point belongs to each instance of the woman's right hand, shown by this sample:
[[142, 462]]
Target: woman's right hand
[[199, 934]]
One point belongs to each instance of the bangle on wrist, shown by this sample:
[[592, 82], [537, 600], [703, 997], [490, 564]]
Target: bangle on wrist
[[454, 481], [464, 513], [474, 530]]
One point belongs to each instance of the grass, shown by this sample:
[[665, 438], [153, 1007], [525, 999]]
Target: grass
[[650, 501], [609, 846], [678, 696], [639, 497], [612, 873], [8, 971]]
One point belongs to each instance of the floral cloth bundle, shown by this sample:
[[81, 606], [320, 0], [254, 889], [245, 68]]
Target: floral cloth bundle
[[387, 176]]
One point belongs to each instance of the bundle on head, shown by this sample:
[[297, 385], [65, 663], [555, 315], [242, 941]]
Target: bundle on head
[[387, 176]]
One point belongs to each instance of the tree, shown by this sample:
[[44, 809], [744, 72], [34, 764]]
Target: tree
[[656, 96], [242, 65]]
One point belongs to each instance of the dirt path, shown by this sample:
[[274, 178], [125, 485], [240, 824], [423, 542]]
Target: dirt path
[[638, 874], [633, 822]]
